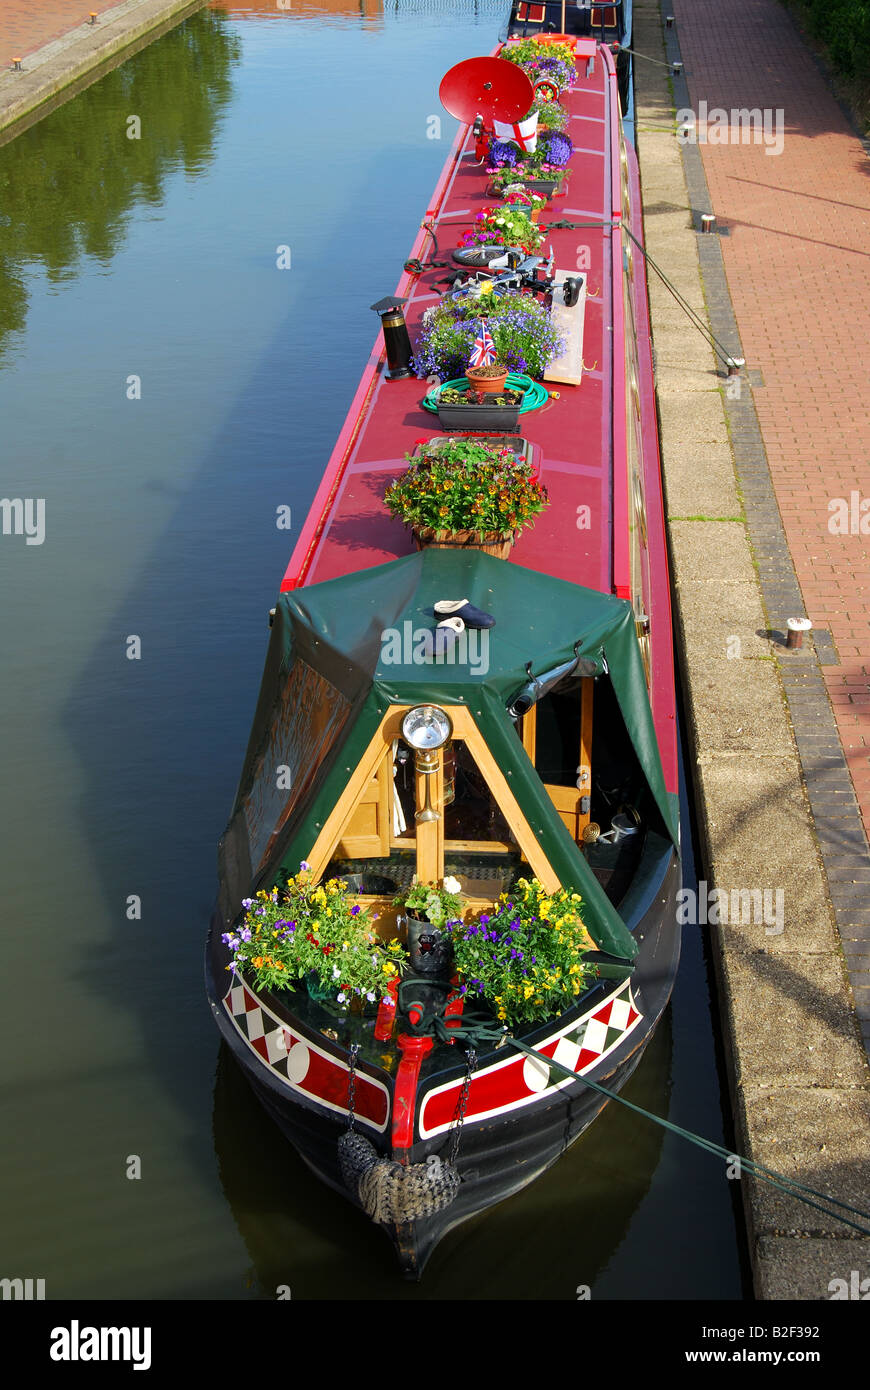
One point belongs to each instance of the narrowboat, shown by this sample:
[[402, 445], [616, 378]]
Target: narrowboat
[[539, 749]]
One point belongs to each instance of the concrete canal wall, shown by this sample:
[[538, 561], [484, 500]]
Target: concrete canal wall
[[57, 70], [765, 747]]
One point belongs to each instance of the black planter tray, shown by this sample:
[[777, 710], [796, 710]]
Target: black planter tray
[[515, 442], [548, 187], [473, 418]]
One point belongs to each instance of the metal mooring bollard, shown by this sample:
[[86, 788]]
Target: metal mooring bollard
[[676, 69], [669, 21], [734, 365], [708, 221], [796, 629], [16, 65]]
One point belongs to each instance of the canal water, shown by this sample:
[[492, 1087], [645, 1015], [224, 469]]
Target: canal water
[[166, 390]]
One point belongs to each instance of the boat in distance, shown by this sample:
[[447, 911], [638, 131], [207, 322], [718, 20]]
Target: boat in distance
[[532, 761]]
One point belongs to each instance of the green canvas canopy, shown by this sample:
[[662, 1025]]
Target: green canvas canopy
[[343, 651]]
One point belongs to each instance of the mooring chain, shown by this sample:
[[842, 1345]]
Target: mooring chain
[[461, 1105], [351, 1086]]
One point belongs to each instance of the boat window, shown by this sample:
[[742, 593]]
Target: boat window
[[460, 818], [306, 720]]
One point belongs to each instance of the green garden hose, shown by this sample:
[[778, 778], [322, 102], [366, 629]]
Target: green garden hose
[[535, 396]]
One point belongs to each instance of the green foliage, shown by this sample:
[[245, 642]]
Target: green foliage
[[551, 114], [69, 183], [844, 27], [436, 905]]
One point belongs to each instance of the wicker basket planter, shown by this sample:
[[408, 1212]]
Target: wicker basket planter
[[498, 546]]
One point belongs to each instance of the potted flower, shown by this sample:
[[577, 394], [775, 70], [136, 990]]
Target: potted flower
[[544, 62], [551, 114], [503, 226], [516, 196], [521, 327], [542, 172], [490, 377], [313, 932], [475, 410], [469, 494], [527, 957], [430, 912]]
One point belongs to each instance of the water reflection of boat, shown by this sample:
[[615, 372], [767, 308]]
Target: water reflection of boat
[[570, 726], [300, 1235]]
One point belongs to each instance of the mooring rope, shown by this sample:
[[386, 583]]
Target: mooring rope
[[476, 1029], [719, 348]]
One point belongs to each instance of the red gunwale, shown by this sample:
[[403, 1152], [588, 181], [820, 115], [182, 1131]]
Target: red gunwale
[[581, 437]]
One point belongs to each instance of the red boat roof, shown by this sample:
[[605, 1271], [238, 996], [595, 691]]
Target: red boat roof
[[348, 526], [581, 437]]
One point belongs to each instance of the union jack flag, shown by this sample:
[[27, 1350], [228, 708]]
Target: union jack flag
[[483, 352]]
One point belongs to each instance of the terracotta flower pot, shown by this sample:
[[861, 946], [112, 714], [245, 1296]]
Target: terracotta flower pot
[[482, 380], [489, 543]]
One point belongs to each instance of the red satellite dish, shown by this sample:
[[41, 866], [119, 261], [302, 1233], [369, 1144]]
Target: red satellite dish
[[489, 87]]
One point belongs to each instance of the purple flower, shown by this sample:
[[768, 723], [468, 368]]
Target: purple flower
[[502, 154], [557, 147], [354, 911], [246, 902]]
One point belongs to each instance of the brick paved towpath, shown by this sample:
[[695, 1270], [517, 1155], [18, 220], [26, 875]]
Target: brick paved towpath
[[797, 258]]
